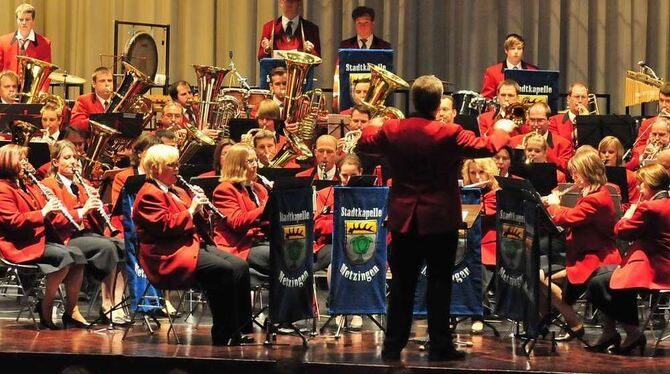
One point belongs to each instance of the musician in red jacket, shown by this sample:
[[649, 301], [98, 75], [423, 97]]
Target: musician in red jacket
[[590, 240], [26, 236], [176, 250], [535, 151], [289, 32], [611, 152], [563, 124], [646, 266], [644, 131], [364, 22], [560, 149], [508, 94], [105, 255], [494, 74], [325, 160], [242, 200], [658, 139], [424, 210], [93, 102], [24, 42]]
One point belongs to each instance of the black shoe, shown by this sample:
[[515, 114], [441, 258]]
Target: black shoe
[[571, 335], [613, 341], [69, 322], [640, 343], [390, 355], [658, 322], [243, 339], [44, 322], [448, 354]]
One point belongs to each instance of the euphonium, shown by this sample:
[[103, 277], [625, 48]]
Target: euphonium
[[227, 108], [297, 66], [23, 131], [350, 140], [32, 75], [128, 97], [382, 83], [98, 155], [210, 80]]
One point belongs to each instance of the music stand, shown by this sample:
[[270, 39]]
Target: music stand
[[208, 184], [468, 123], [21, 112], [128, 124], [363, 181], [321, 184], [338, 122], [274, 173], [541, 175], [592, 129], [240, 126], [617, 175]]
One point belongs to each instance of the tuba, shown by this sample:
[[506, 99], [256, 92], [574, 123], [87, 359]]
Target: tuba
[[23, 131], [32, 75], [227, 107], [382, 83], [128, 98], [298, 107], [97, 150]]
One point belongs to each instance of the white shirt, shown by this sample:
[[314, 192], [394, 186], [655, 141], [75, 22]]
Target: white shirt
[[31, 35], [294, 25], [51, 138], [102, 101], [572, 116], [511, 66], [368, 42], [330, 174], [67, 185]]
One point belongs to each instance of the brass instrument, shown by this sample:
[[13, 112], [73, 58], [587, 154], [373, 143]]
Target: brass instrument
[[248, 137], [210, 80], [651, 151], [299, 108], [32, 75], [91, 191], [93, 165], [227, 108], [350, 140], [322, 171], [197, 191], [516, 112], [128, 97], [23, 131], [382, 83], [49, 195], [583, 110]]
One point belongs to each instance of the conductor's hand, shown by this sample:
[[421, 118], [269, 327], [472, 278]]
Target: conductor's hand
[[199, 200], [375, 122], [506, 125]]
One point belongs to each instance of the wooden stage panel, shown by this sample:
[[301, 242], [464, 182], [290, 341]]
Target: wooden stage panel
[[354, 353]]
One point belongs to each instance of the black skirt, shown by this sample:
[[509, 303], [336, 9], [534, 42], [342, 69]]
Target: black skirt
[[57, 257]]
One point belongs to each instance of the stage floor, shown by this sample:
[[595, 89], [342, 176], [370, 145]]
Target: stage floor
[[32, 351]]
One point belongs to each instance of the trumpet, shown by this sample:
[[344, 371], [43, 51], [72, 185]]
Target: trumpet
[[49, 195], [651, 151], [91, 191], [213, 209]]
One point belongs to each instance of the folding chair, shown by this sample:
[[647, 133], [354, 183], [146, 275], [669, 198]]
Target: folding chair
[[26, 283], [656, 306]]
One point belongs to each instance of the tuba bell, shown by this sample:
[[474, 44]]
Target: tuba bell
[[210, 80], [516, 112], [32, 75], [382, 84], [128, 97], [23, 131], [98, 149], [298, 107]]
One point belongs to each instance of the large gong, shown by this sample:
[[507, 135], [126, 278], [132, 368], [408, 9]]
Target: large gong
[[141, 51]]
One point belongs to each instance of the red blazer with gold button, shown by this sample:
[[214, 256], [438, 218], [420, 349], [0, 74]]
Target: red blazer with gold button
[[241, 230], [590, 239], [424, 156], [168, 236], [495, 74], [647, 262], [85, 105]]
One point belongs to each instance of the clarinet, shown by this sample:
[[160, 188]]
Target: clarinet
[[209, 204], [49, 195], [90, 191]]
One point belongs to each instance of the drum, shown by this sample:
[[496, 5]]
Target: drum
[[256, 96], [142, 52], [469, 103], [238, 93]]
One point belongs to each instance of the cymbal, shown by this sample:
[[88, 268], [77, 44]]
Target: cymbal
[[69, 78]]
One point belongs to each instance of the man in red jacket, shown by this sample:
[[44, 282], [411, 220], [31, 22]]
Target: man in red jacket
[[563, 124], [93, 102], [645, 127], [24, 42], [289, 32], [494, 74], [424, 210]]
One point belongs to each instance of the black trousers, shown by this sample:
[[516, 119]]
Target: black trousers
[[409, 251], [225, 280], [620, 305]]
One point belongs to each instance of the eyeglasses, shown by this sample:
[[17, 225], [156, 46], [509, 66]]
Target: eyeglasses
[[537, 120], [173, 165], [253, 161]]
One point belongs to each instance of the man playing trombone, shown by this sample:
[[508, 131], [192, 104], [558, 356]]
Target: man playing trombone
[[563, 124], [643, 133]]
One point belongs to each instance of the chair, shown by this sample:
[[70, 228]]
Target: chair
[[26, 283], [657, 306]]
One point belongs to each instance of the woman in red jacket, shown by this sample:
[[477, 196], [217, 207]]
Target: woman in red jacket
[[590, 235], [177, 251], [613, 290], [611, 152], [240, 198], [28, 224]]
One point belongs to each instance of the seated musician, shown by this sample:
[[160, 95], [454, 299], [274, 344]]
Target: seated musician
[[269, 118], [166, 136], [289, 32], [172, 116], [508, 94], [9, 86], [176, 250], [359, 89], [590, 236], [481, 172], [181, 93], [94, 102], [220, 152], [325, 159], [52, 121], [611, 152], [25, 217], [360, 115], [643, 132], [503, 161], [240, 198], [76, 137], [494, 74], [646, 266], [105, 255], [447, 113], [563, 124], [659, 140], [559, 149], [535, 151], [139, 149], [265, 145]]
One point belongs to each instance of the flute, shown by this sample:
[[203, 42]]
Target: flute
[[90, 191], [208, 203], [49, 195], [477, 184], [560, 194]]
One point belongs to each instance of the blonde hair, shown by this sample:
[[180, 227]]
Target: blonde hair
[[654, 176], [157, 158], [588, 165], [268, 109], [535, 136], [234, 167], [488, 165], [25, 8], [53, 108], [612, 141], [55, 152], [10, 160]]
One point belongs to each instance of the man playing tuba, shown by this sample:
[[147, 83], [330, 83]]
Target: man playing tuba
[[94, 102]]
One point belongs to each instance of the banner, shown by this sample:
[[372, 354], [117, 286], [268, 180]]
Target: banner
[[466, 286], [537, 85], [291, 255], [358, 275], [267, 64], [517, 267], [137, 280], [353, 64]]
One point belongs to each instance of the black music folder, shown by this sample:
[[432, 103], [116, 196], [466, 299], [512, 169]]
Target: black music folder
[[208, 184], [617, 175], [592, 129], [128, 124], [274, 173], [131, 187], [362, 181], [240, 126], [541, 175]]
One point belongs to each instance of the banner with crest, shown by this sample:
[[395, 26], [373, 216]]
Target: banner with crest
[[358, 275], [291, 255]]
